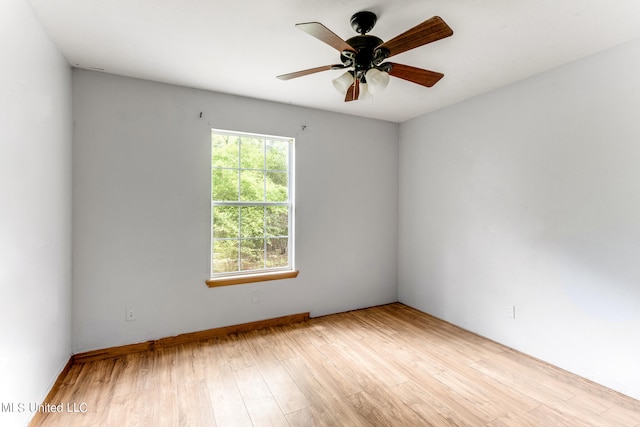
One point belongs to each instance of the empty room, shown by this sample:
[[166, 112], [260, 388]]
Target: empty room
[[341, 213]]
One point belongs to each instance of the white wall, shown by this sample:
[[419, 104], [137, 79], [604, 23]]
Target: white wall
[[35, 210], [530, 196], [141, 207]]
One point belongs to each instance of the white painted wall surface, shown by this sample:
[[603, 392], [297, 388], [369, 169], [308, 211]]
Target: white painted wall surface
[[35, 211], [530, 196], [141, 207]]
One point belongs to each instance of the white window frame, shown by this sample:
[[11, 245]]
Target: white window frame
[[266, 273]]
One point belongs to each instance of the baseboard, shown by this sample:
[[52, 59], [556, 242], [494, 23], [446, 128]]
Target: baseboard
[[123, 350], [36, 419]]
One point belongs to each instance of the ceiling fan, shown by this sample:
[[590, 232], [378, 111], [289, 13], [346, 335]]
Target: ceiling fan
[[363, 55]]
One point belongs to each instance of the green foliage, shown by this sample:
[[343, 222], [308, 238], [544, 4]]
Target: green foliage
[[249, 169]]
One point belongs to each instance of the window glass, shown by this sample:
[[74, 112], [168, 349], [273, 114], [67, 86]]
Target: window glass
[[252, 207]]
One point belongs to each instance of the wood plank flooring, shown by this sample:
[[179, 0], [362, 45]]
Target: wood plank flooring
[[384, 366]]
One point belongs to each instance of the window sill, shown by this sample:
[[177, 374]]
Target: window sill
[[250, 278]]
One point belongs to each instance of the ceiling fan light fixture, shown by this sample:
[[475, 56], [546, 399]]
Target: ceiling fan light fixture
[[343, 82], [377, 80]]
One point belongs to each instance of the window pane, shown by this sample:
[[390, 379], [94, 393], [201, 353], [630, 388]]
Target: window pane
[[252, 254], [251, 153], [277, 253], [225, 256], [224, 184], [277, 155], [254, 171], [277, 221], [252, 221], [224, 153], [251, 186], [225, 222], [277, 183]]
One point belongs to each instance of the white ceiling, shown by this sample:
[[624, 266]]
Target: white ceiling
[[239, 46]]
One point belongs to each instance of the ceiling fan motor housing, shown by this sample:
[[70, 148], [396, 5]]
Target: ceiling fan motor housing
[[364, 47], [366, 56]]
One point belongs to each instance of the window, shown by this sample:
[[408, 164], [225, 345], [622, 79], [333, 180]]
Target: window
[[251, 208]]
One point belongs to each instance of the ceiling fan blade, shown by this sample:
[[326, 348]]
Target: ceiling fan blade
[[310, 71], [415, 75], [431, 30], [353, 92], [324, 34]]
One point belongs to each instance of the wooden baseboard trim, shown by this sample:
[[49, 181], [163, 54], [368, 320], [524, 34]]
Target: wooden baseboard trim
[[123, 350], [37, 417]]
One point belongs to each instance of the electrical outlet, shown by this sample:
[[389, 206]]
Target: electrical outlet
[[511, 312], [255, 297], [130, 314]]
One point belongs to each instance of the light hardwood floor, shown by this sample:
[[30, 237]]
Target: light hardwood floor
[[384, 366]]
